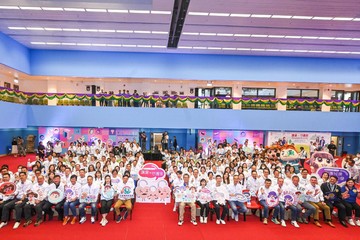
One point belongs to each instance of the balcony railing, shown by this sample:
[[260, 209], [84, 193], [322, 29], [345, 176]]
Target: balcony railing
[[125, 100]]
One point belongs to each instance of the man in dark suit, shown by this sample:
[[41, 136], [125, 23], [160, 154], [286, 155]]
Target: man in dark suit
[[332, 197]]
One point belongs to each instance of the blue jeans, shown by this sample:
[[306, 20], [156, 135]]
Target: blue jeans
[[82, 209], [71, 206], [266, 209], [310, 209], [279, 209], [234, 207], [295, 211]]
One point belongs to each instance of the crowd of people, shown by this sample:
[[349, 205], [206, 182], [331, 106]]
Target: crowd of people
[[97, 177], [230, 171]]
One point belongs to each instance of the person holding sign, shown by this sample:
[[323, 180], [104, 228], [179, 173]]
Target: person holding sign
[[349, 194], [203, 200], [40, 188], [125, 194], [88, 197], [72, 193], [56, 185], [235, 191], [106, 198], [316, 199], [6, 197], [263, 194], [281, 209], [188, 190], [220, 195], [332, 198]]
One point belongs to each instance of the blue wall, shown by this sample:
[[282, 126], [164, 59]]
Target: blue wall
[[193, 66], [13, 54], [12, 115]]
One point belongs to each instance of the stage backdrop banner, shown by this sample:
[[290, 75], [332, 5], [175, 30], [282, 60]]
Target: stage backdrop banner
[[207, 137], [152, 186], [89, 135], [299, 139]]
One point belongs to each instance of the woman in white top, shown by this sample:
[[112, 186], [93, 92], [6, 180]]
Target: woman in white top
[[106, 199]]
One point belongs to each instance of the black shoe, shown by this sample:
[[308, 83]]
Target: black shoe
[[118, 219], [305, 221], [125, 215], [344, 224], [51, 216]]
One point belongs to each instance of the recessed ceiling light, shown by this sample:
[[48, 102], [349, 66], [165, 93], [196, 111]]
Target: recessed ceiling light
[[35, 28], [118, 11], [156, 46], [276, 36], [159, 32], [326, 38], [286, 50], [83, 44], [71, 29], [259, 36], [139, 11], [199, 48], [89, 30], [281, 16], [95, 10], [240, 15], [53, 43], [124, 31], [342, 38], [229, 49], [309, 37], [114, 45], [143, 32], [161, 12], [356, 19], [190, 33], [355, 39], [225, 34], [198, 13], [302, 17], [214, 48], [9, 7], [272, 50], [322, 18], [38, 43], [17, 28], [301, 51], [52, 9], [292, 36], [242, 35], [257, 49], [144, 46], [53, 29], [184, 47], [260, 16], [128, 45], [107, 30], [314, 51], [98, 44], [328, 51], [207, 34], [68, 44], [31, 8], [75, 9], [342, 19], [219, 14]]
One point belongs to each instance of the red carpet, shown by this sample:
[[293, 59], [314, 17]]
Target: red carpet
[[158, 221]]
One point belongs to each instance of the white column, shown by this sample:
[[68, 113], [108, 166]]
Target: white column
[[237, 92], [281, 92], [326, 95]]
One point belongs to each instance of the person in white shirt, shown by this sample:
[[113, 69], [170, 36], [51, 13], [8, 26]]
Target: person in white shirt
[[106, 198], [262, 196], [57, 184], [195, 179], [18, 203], [188, 185], [353, 169], [125, 194], [253, 182], [5, 199], [58, 148], [202, 202], [88, 197], [82, 177], [234, 190], [220, 190], [280, 211], [304, 177], [71, 201], [40, 188], [316, 199]]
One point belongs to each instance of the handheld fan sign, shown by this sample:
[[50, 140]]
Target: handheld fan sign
[[7, 188], [272, 199], [55, 196]]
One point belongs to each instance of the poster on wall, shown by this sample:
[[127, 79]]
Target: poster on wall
[[207, 138], [299, 139], [111, 136], [152, 186]]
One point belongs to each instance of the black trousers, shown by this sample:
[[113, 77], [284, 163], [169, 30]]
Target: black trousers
[[12, 205], [217, 207], [2, 206], [58, 207], [350, 207], [105, 206], [341, 209], [204, 209], [38, 209]]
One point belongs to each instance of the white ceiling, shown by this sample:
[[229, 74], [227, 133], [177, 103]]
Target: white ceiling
[[256, 27]]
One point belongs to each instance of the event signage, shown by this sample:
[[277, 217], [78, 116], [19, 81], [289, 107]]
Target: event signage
[[55, 196], [272, 199], [7, 188], [341, 173], [290, 198]]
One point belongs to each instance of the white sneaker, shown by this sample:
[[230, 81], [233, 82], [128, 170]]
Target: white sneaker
[[283, 223], [193, 222], [232, 215], [218, 221], [180, 223], [265, 221], [295, 224], [222, 221], [236, 218], [205, 219], [174, 209], [201, 219], [357, 223], [16, 225], [92, 220], [351, 222], [3, 224], [104, 222], [82, 220]]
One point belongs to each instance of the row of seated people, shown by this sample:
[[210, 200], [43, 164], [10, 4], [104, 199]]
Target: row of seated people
[[40, 197], [312, 198]]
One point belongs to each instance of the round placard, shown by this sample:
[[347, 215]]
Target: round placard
[[55, 196], [272, 199], [69, 194], [7, 188]]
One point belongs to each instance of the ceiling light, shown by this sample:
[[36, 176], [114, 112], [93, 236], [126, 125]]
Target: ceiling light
[[259, 36], [342, 52], [302, 17], [342, 19], [309, 37], [68, 44], [161, 12], [207, 34], [156, 46], [114, 45], [139, 11], [143, 32], [292, 36], [38, 43], [71, 29], [209, 84], [98, 44], [281, 16], [272, 50], [225, 34], [243, 49], [35, 28], [118, 11], [16, 80], [286, 50], [355, 39], [83, 44], [229, 49], [239, 15], [257, 49], [124, 31], [219, 14], [242, 35], [95, 10], [314, 51], [356, 19], [260, 16], [276, 36], [214, 48], [53, 43], [200, 48], [17, 28], [342, 38], [198, 13], [52, 9], [159, 32], [128, 45], [354, 52], [190, 33], [107, 30], [9, 7], [75, 9], [31, 8], [326, 38], [185, 47], [322, 18], [328, 51], [144, 46], [53, 29], [301, 51], [89, 30]]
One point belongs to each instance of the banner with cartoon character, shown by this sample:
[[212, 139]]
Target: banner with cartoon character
[[110, 136], [152, 186], [341, 173], [184, 194]]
